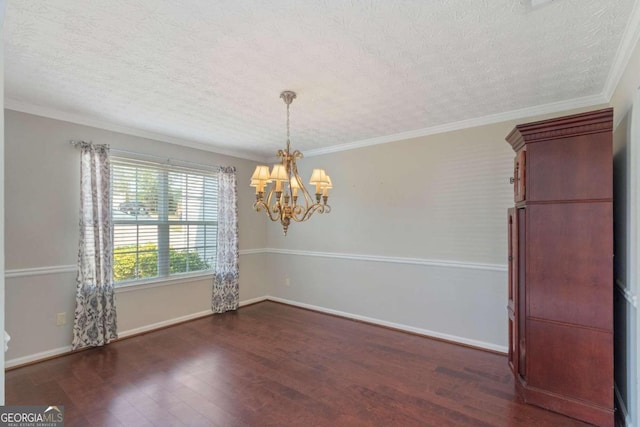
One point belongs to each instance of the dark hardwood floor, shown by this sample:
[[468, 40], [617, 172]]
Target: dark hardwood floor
[[271, 364]]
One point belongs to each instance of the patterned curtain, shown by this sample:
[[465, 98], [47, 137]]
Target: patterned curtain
[[226, 293], [95, 315]]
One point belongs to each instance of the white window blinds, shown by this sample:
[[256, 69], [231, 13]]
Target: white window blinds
[[164, 219]]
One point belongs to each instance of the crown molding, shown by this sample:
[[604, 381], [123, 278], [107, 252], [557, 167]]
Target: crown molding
[[562, 127], [555, 107], [628, 43], [52, 113]]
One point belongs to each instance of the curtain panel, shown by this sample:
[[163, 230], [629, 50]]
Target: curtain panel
[[95, 314], [226, 292]]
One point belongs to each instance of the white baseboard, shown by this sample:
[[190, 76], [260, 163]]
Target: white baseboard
[[147, 328], [36, 357], [253, 300], [620, 405], [419, 331], [180, 319], [163, 324]]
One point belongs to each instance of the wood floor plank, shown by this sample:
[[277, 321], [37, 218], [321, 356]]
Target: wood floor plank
[[274, 365]]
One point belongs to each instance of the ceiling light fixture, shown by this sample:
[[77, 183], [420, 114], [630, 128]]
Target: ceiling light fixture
[[288, 199]]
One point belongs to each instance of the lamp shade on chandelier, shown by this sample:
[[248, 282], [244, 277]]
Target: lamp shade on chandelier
[[287, 198]]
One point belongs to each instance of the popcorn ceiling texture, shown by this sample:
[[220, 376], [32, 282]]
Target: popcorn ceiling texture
[[212, 71]]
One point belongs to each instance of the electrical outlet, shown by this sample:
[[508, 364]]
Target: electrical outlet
[[287, 281], [61, 319]]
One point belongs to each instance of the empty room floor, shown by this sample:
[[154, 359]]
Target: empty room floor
[[270, 364]]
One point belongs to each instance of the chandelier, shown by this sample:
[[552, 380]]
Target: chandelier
[[287, 198]]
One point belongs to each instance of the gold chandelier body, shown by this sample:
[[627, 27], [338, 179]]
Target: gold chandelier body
[[288, 198]]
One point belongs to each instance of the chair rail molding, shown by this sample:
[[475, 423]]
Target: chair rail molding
[[391, 259], [40, 271], [72, 268]]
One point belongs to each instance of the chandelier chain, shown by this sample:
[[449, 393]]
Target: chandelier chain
[[288, 140]]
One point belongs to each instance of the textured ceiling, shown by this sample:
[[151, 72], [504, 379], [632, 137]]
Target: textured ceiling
[[212, 71]]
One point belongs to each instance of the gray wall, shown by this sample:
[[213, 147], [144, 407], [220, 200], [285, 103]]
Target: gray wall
[[626, 210], [429, 216], [417, 238], [42, 203]]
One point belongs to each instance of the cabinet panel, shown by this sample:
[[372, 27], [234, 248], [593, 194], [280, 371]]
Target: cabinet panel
[[512, 256], [513, 342], [521, 291], [574, 362], [578, 168], [570, 251], [512, 291]]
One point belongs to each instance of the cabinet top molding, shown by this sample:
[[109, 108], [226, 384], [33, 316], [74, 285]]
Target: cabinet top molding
[[563, 127]]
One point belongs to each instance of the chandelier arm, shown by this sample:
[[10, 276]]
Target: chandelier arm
[[261, 205], [301, 209], [271, 197], [258, 205], [275, 214], [273, 211], [268, 200], [289, 170], [316, 207], [296, 212], [308, 200]]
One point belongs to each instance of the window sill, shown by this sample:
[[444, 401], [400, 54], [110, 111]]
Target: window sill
[[162, 281]]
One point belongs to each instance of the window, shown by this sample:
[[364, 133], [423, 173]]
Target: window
[[164, 220]]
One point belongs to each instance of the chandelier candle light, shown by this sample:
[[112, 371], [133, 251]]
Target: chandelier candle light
[[288, 199]]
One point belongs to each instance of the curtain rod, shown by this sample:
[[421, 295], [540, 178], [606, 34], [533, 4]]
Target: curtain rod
[[166, 160]]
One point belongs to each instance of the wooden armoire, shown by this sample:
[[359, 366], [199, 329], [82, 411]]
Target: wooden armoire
[[561, 265]]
